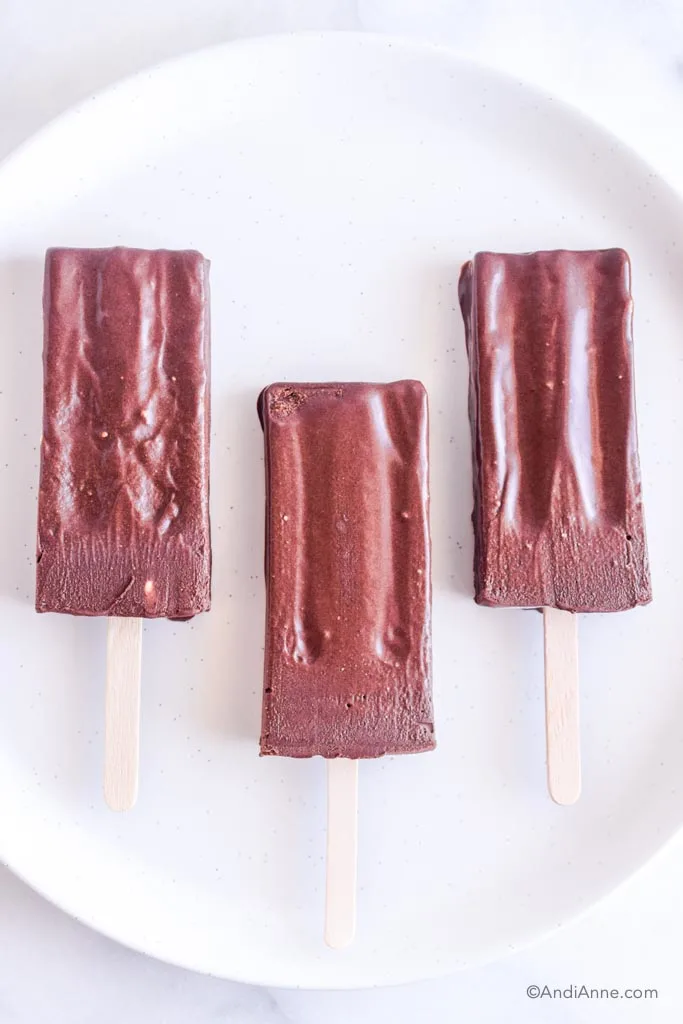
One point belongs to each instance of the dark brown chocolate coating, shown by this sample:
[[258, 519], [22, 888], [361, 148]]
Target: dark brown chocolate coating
[[123, 511], [558, 515], [348, 630]]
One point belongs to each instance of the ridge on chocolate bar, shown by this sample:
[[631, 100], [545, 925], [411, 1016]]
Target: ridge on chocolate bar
[[348, 628], [558, 514], [123, 516]]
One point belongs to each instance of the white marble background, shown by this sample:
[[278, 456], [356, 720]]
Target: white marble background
[[622, 61]]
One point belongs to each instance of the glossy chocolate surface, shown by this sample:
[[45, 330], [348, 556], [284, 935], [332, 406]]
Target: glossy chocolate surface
[[123, 517], [348, 633], [558, 515]]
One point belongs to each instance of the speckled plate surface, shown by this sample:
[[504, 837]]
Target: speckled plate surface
[[337, 184]]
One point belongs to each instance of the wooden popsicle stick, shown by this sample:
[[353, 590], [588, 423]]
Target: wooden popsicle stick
[[560, 636], [122, 712], [342, 851]]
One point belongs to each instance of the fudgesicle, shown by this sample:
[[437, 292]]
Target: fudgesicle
[[123, 513], [348, 632], [558, 515]]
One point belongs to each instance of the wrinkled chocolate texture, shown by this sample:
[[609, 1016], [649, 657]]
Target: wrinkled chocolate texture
[[123, 511], [558, 515], [348, 632]]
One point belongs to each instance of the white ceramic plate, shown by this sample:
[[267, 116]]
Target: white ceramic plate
[[337, 184]]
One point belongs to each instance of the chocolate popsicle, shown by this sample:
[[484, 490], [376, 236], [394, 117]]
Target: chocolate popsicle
[[348, 633], [123, 517], [558, 515]]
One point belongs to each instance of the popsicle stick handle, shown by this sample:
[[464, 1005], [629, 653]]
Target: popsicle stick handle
[[342, 852], [560, 635], [122, 712]]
